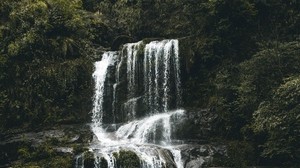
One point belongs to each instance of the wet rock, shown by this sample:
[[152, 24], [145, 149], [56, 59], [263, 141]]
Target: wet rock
[[127, 158], [197, 156], [168, 157], [198, 124], [64, 150], [196, 163]]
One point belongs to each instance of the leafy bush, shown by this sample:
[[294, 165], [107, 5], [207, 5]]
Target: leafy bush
[[279, 118]]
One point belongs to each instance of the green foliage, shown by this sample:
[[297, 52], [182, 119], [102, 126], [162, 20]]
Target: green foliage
[[267, 68], [46, 49], [241, 88], [49, 94], [37, 25], [240, 154], [279, 118], [230, 120], [229, 23], [278, 19]]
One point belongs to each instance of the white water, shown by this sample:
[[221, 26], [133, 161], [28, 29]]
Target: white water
[[154, 129], [150, 137], [139, 137], [99, 75], [132, 76], [79, 161], [160, 62], [132, 53]]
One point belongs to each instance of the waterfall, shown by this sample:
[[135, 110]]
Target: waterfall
[[149, 130], [99, 75], [132, 77], [161, 63], [146, 79], [132, 67], [79, 161]]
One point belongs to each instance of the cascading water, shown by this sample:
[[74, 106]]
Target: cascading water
[[99, 77], [132, 77], [149, 136], [132, 67], [161, 72]]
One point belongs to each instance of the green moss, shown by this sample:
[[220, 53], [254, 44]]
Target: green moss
[[57, 162], [103, 163], [127, 159], [89, 160], [78, 148], [24, 153]]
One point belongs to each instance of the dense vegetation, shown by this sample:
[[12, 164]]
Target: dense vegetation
[[244, 62]]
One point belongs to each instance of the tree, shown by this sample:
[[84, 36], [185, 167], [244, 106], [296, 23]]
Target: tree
[[46, 49], [279, 118]]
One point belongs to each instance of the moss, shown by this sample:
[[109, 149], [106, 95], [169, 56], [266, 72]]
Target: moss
[[57, 162], [103, 163], [127, 159], [24, 153], [78, 148], [89, 160], [27, 153], [44, 151]]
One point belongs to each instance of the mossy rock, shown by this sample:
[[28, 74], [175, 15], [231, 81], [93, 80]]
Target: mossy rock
[[57, 161], [89, 160], [103, 163], [127, 159]]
